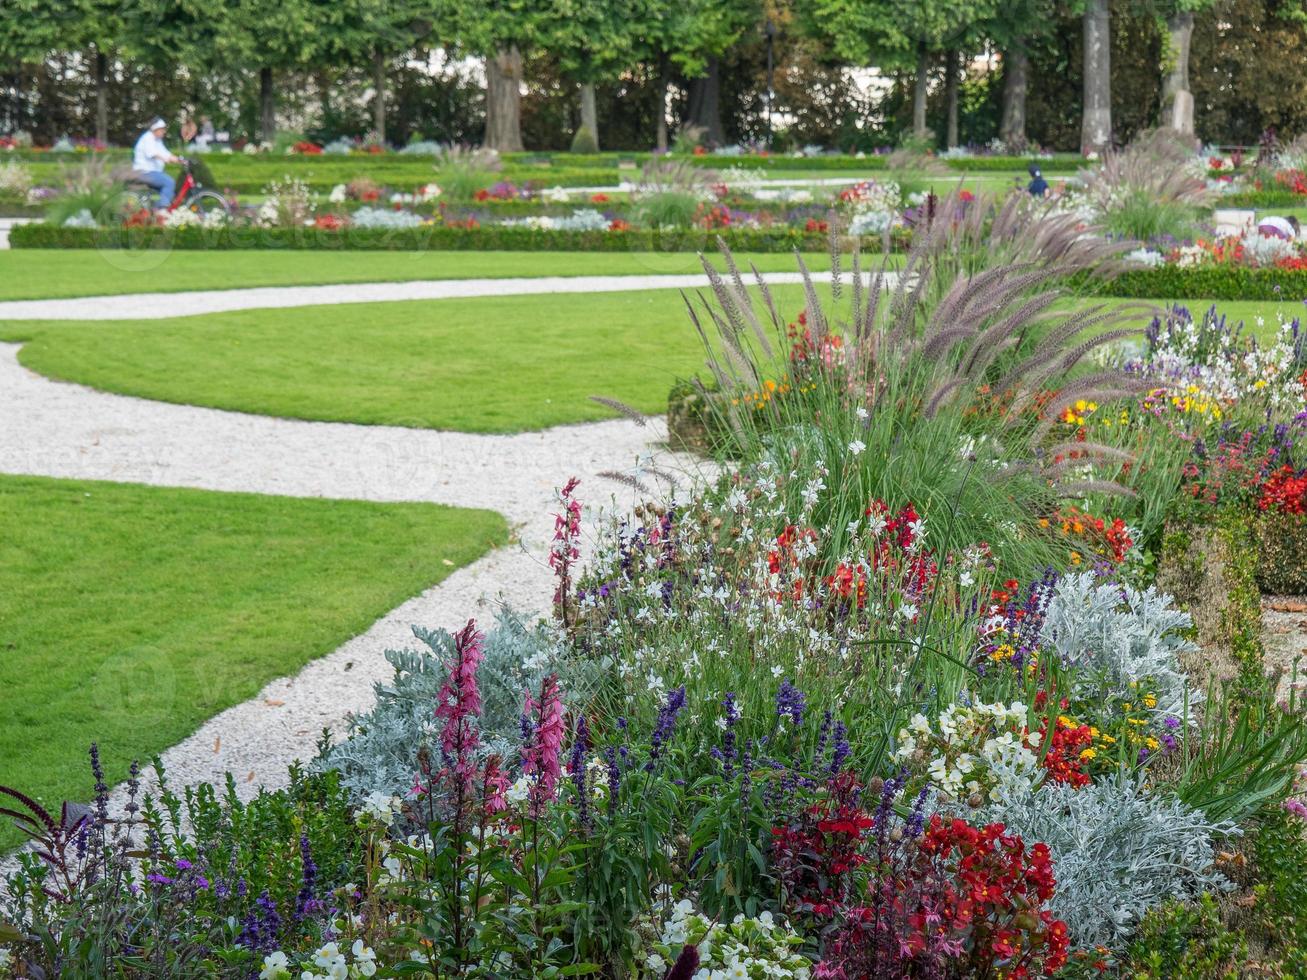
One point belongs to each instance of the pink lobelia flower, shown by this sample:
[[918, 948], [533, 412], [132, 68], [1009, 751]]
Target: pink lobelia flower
[[458, 704], [541, 755]]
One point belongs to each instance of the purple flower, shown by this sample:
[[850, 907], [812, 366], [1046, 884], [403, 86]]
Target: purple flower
[[576, 768], [841, 750], [665, 725], [305, 904], [790, 702]]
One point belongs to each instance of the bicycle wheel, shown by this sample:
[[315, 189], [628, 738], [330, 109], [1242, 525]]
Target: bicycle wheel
[[205, 203]]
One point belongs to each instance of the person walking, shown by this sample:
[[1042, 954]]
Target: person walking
[[148, 162]]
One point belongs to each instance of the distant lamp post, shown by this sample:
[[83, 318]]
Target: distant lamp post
[[769, 31]]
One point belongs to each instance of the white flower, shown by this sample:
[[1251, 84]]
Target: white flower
[[857, 446], [519, 791], [337, 195], [365, 960], [381, 807], [777, 670], [275, 966], [861, 413]]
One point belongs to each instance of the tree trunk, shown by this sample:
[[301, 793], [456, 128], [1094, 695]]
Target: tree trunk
[[379, 100], [705, 103], [324, 95], [267, 106], [589, 115], [919, 92], [1177, 99], [1096, 131], [504, 100], [951, 96], [101, 97], [660, 134], [1016, 75]]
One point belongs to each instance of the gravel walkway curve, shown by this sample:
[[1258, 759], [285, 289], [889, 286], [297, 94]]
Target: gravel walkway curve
[[65, 430], [158, 306]]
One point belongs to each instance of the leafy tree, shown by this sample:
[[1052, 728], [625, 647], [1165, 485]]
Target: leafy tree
[[903, 34], [375, 33], [271, 38], [500, 31], [594, 41], [1015, 29]]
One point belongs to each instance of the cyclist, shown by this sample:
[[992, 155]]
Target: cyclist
[[148, 161]]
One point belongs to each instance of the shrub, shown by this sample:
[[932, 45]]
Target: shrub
[[1120, 636], [584, 141], [1119, 850], [437, 237], [1215, 282], [1153, 187]]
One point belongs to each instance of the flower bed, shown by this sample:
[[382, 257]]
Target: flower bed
[[891, 695]]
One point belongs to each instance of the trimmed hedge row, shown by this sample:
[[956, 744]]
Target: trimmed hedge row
[[433, 237], [1260, 200], [1218, 282]]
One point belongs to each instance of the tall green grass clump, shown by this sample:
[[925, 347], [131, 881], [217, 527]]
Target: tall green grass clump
[[461, 171], [670, 193], [1153, 189]]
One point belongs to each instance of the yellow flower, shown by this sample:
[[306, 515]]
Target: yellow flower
[[1075, 558], [1150, 701], [1087, 755]]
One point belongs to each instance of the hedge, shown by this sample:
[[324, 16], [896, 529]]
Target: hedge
[[1216, 282], [433, 237], [1261, 200]]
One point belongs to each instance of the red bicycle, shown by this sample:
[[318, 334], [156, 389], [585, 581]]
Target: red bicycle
[[191, 195]]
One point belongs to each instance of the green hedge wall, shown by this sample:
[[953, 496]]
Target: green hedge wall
[[1219, 282], [1261, 200], [434, 237]]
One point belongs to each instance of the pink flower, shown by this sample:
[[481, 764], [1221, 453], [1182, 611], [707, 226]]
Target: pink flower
[[496, 786], [564, 551], [1296, 807], [458, 703], [542, 752]]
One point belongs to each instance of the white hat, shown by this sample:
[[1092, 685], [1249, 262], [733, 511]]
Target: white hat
[[158, 123]]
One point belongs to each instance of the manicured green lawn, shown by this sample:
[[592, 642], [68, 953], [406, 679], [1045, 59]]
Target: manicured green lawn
[[53, 273], [495, 364], [132, 614]]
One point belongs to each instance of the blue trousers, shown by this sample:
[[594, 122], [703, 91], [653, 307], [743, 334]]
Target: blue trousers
[[161, 182]]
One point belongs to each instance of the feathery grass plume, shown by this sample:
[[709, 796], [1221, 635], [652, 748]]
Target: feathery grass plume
[[964, 356], [621, 408], [625, 479], [1082, 487]]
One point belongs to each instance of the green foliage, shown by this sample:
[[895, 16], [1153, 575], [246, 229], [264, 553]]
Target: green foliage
[[1280, 851], [433, 237], [1216, 282], [1181, 940], [462, 171], [1143, 217], [584, 141]]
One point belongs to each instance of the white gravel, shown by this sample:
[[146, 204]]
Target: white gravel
[[156, 306], [63, 430]]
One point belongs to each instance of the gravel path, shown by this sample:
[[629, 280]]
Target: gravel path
[[156, 306], [64, 430]]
